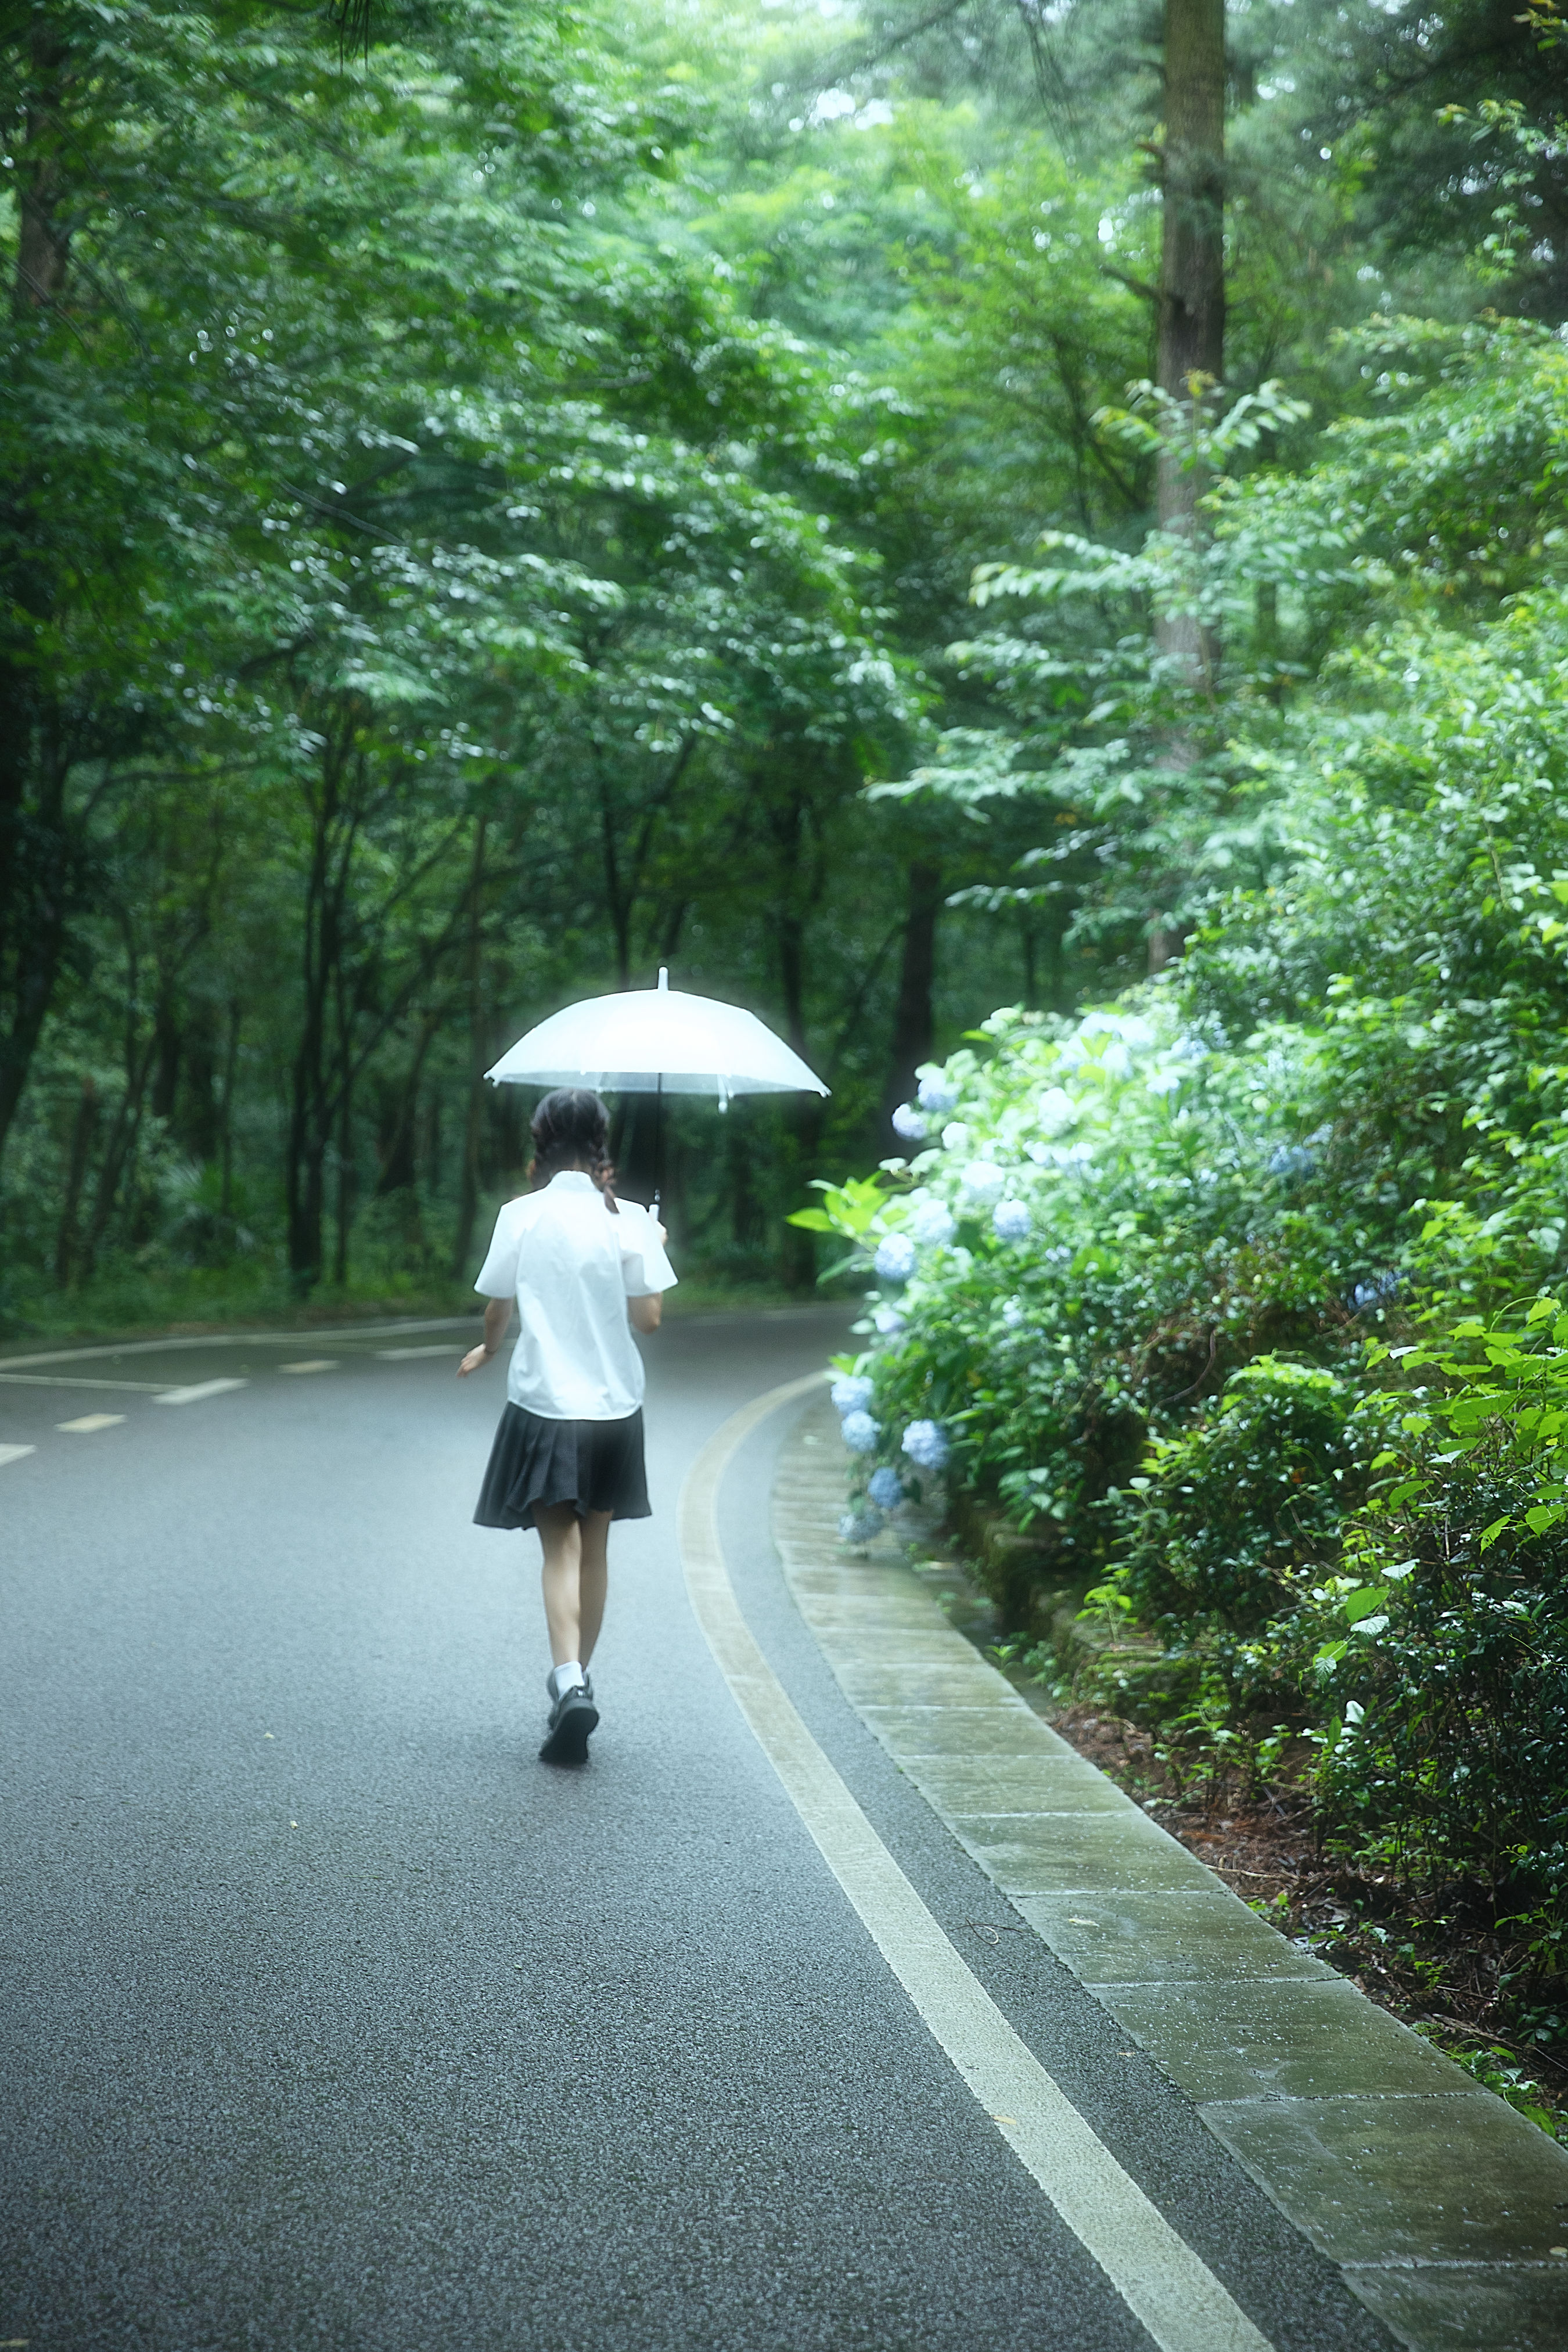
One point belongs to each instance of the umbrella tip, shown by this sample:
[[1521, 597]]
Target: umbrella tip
[[663, 976]]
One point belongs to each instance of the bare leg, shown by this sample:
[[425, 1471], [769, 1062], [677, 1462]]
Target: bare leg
[[593, 1579], [574, 1580]]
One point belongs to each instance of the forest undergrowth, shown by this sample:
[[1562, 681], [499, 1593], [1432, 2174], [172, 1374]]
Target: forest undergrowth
[[1440, 1958]]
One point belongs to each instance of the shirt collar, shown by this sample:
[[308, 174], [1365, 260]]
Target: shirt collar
[[572, 1180]]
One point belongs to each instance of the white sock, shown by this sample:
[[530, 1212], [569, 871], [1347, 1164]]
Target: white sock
[[569, 1676]]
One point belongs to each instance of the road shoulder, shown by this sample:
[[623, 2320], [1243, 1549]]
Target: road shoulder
[[1440, 2205]]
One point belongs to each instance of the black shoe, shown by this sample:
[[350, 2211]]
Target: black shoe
[[572, 1719]]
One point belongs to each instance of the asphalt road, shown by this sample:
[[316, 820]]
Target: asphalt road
[[333, 2019]]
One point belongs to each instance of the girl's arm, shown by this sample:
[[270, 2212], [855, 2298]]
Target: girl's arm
[[497, 1315], [646, 1312]]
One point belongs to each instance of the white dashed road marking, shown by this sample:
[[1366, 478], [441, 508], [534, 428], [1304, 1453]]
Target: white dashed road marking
[[1160, 2278], [182, 1345], [14, 1453], [68, 1380], [88, 1422], [407, 1355], [193, 1395], [312, 1364]]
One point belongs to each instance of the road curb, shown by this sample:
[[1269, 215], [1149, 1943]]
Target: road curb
[[1440, 2205]]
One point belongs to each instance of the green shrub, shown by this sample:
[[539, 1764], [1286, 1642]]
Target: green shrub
[[1447, 1699], [1230, 1512]]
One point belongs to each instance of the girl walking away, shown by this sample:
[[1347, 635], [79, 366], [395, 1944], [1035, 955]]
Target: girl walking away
[[583, 1269]]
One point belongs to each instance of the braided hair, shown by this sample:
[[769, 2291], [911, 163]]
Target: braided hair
[[571, 1128]]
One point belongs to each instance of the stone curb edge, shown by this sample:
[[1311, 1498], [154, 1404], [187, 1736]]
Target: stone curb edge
[[1441, 2206]]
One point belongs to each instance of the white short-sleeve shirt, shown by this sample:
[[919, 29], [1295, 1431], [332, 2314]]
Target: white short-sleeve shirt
[[572, 1264]]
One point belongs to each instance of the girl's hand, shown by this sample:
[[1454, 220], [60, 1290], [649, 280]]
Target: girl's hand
[[473, 1360]]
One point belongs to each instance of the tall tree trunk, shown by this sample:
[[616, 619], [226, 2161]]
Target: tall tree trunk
[[309, 1116], [805, 1111], [167, 1043], [1192, 273], [39, 873], [226, 1130], [199, 1126], [740, 1153], [67, 1240], [345, 1160], [617, 897], [914, 1020], [474, 1121], [345, 1175], [124, 1134], [43, 241], [37, 856]]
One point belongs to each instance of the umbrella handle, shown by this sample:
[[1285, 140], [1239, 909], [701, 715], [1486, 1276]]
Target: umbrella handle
[[657, 1132]]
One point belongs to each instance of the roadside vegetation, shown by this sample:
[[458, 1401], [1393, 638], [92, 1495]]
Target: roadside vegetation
[[1233, 1309]]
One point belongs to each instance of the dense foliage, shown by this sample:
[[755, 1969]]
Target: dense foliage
[[1237, 1296], [482, 501]]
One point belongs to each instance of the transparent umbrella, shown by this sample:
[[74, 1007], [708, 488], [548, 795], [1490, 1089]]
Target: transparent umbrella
[[656, 1041]]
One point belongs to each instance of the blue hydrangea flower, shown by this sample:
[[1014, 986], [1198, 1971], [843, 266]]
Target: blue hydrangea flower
[[932, 1224], [888, 1322], [1292, 1160], [852, 1392], [860, 1433], [983, 1182], [937, 1096], [1010, 1220], [886, 1488], [1377, 1292], [908, 1122], [895, 1258], [925, 1444], [859, 1526], [1012, 1313]]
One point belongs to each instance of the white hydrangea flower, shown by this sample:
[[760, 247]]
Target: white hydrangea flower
[[908, 1123], [895, 1258], [955, 1136], [936, 1096], [932, 1224], [925, 1444], [860, 1433], [1010, 1220], [852, 1392], [1012, 1313], [983, 1182], [888, 1322]]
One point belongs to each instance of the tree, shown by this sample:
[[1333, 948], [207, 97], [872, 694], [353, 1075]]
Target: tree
[[1192, 275]]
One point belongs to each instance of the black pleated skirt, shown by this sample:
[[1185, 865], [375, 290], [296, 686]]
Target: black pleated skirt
[[597, 1465]]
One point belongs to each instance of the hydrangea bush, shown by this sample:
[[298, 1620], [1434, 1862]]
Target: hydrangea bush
[[1114, 1215]]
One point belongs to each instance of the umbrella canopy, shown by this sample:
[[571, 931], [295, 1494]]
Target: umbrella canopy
[[656, 1041]]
